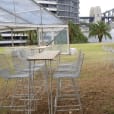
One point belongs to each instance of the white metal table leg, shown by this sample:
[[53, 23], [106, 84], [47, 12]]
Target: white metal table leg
[[29, 88]]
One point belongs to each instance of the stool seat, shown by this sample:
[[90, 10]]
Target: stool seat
[[65, 74]]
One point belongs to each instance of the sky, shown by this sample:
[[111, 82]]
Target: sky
[[85, 6]]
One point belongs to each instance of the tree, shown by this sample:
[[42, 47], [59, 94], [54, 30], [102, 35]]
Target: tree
[[1, 38], [75, 34], [32, 37], [99, 30]]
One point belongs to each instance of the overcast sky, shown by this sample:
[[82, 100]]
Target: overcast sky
[[85, 5]]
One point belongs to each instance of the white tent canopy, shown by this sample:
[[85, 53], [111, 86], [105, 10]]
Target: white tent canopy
[[26, 12], [21, 15]]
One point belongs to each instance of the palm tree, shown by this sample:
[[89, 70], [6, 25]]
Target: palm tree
[[99, 30], [75, 34], [72, 31]]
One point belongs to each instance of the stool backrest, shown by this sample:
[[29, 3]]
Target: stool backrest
[[6, 65], [76, 63], [79, 63]]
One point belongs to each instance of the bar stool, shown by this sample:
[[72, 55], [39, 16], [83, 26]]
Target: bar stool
[[40, 84], [20, 60], [8, 74], [68, 101], [12, 68]]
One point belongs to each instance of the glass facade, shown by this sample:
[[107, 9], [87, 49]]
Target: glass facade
[[64, 9]]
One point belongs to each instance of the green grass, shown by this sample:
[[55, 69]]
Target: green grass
[[2, 49], [93, 52], [94, 58]]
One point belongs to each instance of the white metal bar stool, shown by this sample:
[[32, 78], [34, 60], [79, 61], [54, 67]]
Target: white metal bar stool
[[12, 68], [20, 58], [8, 73], [70, 101]]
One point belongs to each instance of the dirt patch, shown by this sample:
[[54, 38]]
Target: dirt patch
[[97, 91]]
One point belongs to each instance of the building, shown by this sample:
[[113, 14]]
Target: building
[[96, 13], [11, 39], [64, 9]]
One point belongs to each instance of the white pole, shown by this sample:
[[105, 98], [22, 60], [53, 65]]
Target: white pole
[[12, 38]]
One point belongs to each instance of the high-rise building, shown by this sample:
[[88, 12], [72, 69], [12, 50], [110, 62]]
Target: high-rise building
[[64, 9]]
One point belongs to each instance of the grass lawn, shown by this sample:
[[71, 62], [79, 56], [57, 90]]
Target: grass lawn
[[97, 78]]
